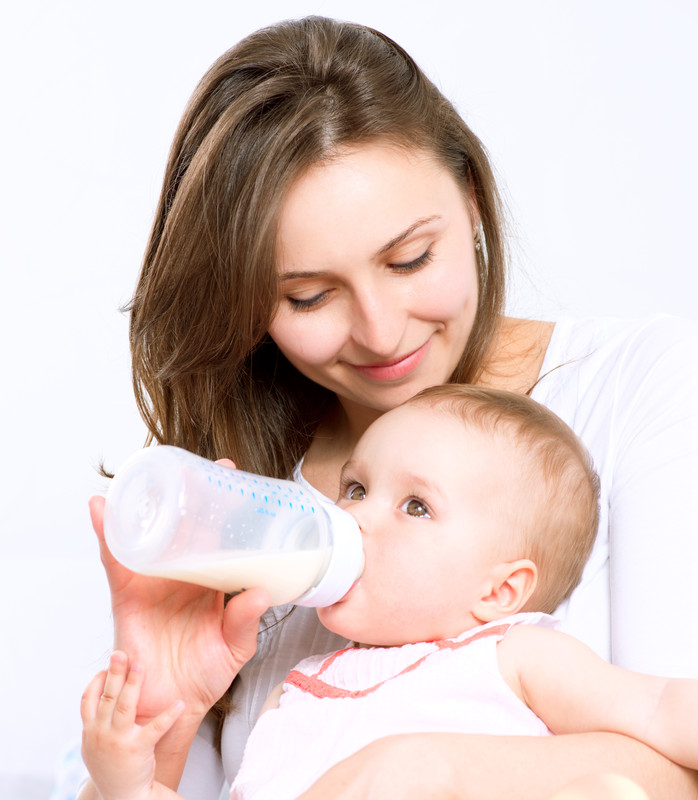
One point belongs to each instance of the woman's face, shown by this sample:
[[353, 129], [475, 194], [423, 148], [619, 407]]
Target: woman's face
[[378, 275]]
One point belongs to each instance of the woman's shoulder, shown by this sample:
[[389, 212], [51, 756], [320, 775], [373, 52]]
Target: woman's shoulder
[[589, 356], [578, 337]]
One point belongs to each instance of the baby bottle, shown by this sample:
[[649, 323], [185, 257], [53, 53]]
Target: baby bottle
[[173, 514]]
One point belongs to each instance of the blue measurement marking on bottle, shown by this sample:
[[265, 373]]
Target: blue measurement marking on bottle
[[278, 494]]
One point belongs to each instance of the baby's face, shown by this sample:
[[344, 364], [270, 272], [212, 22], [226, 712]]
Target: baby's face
[[430, 495]]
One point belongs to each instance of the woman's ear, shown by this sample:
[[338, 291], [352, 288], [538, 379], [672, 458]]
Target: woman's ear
[[508, 589], [475, 221]]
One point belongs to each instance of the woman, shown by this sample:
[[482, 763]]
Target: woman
[[329, 241]]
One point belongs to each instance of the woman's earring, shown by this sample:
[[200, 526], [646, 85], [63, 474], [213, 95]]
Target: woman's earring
[[478, 244]]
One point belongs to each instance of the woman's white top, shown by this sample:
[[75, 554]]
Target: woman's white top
[[629, 389]]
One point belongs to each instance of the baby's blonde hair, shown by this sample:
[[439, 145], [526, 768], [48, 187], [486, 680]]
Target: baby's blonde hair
[[557, 529]]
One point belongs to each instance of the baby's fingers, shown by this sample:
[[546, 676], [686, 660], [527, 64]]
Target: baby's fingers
[[90, 697], [158, 727], [127, 701], [116, 677]]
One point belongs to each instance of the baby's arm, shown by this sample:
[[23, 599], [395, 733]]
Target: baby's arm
[[574, 691], [273, 700], [119, 753]]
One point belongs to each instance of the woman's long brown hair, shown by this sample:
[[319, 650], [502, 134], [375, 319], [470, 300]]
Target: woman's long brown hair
[[206, 375]]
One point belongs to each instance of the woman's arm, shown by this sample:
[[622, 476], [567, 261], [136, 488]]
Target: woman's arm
[[653, 503], [473, 767], [189, 643]]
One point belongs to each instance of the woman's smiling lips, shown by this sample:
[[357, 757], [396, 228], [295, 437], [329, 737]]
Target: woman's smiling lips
[[394, 369]]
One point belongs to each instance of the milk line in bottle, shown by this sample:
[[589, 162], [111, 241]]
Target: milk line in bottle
[[170, 513]]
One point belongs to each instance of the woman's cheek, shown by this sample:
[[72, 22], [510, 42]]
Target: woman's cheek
[[450, 305], [310, 338]]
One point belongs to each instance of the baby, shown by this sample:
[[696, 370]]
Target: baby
[[478, 510]]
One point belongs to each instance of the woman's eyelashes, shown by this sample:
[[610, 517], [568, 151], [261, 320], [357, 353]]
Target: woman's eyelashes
[[316, 300], [307, 303], [417, 263]]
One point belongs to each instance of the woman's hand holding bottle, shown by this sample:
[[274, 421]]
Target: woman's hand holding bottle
[[190, 644]]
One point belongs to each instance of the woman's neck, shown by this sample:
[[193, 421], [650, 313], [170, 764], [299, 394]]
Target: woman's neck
[[334, 441], [514, 362], [516, 356]]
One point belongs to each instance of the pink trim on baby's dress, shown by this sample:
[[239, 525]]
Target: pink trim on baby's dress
[[312, 684]]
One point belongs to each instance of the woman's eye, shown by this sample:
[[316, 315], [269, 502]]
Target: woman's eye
[[411, 266], [356, 492], [306, 303], [416, 508]]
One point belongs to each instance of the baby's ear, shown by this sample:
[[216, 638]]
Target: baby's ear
[[507, 591]]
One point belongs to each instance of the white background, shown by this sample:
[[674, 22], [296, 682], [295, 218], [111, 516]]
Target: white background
[[588, 109]]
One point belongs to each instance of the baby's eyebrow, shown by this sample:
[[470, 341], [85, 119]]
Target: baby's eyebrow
[[348, 466], [422, 484]]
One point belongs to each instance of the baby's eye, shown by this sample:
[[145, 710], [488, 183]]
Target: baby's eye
[[356, 492], [416, 508]]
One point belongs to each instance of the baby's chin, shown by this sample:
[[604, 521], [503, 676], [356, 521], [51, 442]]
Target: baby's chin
[[332, 620], [356, 628], [342, 621]]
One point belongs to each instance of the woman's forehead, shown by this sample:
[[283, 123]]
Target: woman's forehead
[[369, 198]]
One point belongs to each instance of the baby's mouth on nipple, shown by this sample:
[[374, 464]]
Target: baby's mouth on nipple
[[350, 590]]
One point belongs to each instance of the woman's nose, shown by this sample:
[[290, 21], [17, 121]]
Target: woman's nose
[[379, 322]]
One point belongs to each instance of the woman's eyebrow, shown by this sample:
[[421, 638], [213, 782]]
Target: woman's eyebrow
[[386, 248], [407, 232], [292, 276]]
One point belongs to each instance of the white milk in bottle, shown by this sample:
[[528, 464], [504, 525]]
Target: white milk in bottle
[[172, 514]]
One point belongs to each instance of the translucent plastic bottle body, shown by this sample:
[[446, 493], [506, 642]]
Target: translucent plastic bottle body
[[173, 514]]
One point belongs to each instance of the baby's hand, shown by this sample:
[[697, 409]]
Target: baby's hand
[[119, 753]]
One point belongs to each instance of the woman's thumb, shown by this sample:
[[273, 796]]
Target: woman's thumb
[[241, 622]]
